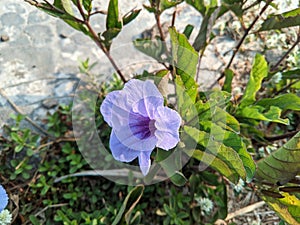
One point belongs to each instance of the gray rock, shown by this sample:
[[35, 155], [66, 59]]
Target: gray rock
[[64, 89], [11, 19], [40, 35], [49, 103], [37, 17], [14, 7], [63, 28]]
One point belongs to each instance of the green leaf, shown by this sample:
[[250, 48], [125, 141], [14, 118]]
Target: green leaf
[[67, 18], [291, 74], [178, 179], [112, 19], [34, 220], [128, 17], [188, 30], [215, 163], [282, 165], [185, 103], [287, 208], [220, 151], [136, 220], [258, 72], [185, 60], [205, 30], [284, 102], [152, 48], [128, 205], [225, 120], [235, 6], [209, 14], [228, 80], [258, 112], [67, 5], [19, 148], [198, 5], [201, 39], [287, 19], [234, 141], [87, 4], [15, 137], [166, 4]]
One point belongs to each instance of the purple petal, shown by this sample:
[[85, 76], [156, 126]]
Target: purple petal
[[145, 162], [140, 126], [167, 125], [131, 140], [3, 198], [147, 106], [106, 106], [143, 96], [119, 151]]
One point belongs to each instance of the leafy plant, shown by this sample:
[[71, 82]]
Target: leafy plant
[[220, 131]]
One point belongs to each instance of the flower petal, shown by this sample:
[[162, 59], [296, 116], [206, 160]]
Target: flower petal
[[143, 96], [107, 104], [3, 198], [119, 151], [167, 125], [147, 106], [129, 139], [145, 162]]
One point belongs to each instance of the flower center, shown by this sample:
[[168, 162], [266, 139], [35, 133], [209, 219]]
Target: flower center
[[141, 127]]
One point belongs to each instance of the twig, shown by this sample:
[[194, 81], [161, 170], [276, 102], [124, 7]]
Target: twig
[[174, 18], [54, 142], [51, 206], [252, 5], [244, 210], [286, 54], [98, 42], [113, 172], [237, 48], [282, 136], [18, 110], [285, 88], [158, 23]]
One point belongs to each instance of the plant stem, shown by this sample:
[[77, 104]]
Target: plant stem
[[237, 48], [96, 39], [282, 136], [286, 54], [158, 23], [285, 88]]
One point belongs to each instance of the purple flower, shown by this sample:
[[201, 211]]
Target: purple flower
[[139, 122], [3, 198]]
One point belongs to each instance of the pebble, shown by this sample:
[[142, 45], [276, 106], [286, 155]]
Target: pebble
[[50, 103], [4, 38]]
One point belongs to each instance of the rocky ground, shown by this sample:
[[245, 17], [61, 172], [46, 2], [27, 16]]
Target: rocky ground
[[40, 55]]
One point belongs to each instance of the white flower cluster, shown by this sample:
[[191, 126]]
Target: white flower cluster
[[239, 186], [5, 217], [205, 204]]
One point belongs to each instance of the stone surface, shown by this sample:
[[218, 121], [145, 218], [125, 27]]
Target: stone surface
[[43, 53]]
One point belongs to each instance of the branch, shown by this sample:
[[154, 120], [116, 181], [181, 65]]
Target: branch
[[96, 39], [158, 23], [16, 109], [237, 48], [286, 54], [282, 136]]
